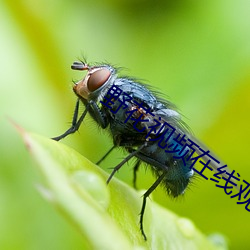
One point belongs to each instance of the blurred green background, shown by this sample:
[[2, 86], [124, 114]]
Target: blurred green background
[[195, 52]]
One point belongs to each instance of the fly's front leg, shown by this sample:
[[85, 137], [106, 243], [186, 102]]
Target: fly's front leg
[[75, 123]]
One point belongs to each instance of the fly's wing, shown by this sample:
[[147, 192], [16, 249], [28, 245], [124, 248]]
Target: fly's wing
[[213, 164], [174, 118]]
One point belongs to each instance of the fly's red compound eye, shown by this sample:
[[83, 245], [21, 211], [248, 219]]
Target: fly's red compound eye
[[97, 79]]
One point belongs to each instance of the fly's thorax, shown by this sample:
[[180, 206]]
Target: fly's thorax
[[97, 79]]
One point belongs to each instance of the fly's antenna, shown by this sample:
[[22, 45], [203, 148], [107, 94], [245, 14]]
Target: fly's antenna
[[80, 66]]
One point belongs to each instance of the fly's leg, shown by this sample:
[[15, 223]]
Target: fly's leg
[[105, 155], [135, 169], [124, 161], [91, 107], [145, 196], [75, 124]]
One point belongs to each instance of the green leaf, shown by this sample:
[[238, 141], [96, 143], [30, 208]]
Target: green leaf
[[107, 215]]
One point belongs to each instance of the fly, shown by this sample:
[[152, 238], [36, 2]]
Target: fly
[[148, 127]]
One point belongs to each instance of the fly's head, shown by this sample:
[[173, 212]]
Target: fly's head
[[95, 80]]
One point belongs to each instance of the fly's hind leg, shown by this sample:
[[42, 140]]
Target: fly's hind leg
[[145, 196]]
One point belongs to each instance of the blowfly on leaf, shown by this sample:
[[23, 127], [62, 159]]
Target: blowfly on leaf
[[148, 127]]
